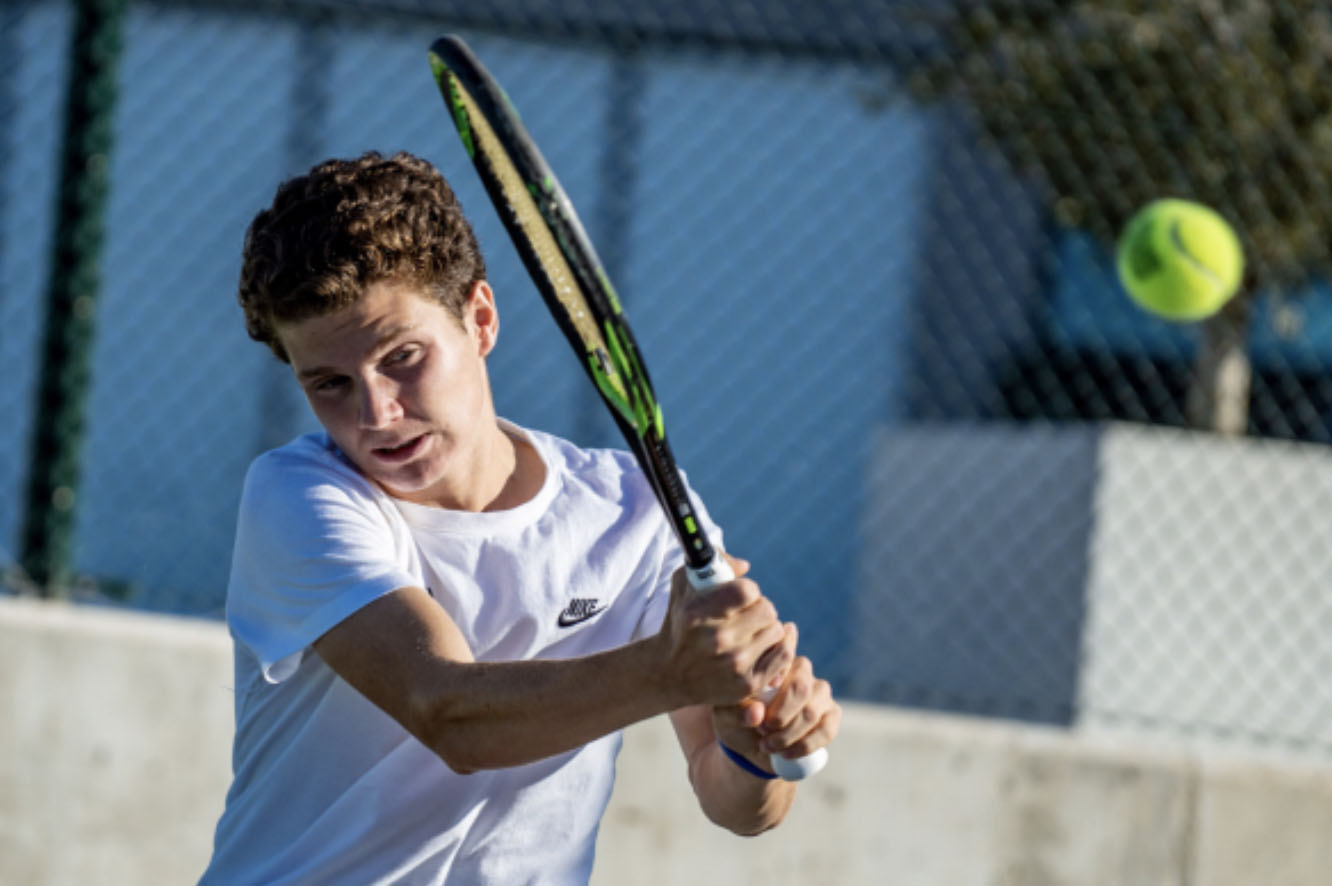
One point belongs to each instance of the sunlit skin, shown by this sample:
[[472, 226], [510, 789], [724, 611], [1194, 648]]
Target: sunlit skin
[[400, 384]]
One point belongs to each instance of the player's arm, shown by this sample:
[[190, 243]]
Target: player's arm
[[800, 719], [406, 655], [728, 795]]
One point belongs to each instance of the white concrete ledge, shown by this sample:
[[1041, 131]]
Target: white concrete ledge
[[928, 800], [114, 758], [115, 749]]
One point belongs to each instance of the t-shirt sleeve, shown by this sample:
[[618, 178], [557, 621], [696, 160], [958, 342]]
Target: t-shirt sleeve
[[312, 546], [671, 558]]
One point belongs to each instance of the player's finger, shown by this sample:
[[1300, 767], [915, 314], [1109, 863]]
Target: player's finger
[[795, 693], [751, 620], [818, 714], [758, 677], [773, 664], [725, 600], [739, 565], [745, 715], [747, 630], [720, 598], [819, 735]]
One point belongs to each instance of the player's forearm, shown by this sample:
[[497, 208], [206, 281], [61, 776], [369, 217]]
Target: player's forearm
[[492, 715], [735, 799]]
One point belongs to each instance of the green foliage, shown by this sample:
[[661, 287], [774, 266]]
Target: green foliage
[[1109, 104]]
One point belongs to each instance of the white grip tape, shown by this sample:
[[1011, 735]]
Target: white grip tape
[[716, 572]]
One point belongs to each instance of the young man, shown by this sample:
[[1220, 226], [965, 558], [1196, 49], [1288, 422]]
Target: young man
[[442, 620]]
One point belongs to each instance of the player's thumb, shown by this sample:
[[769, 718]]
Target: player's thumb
[[739, 565], [752, 712]]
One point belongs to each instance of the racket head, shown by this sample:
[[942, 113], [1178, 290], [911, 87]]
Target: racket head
[[563, 263]]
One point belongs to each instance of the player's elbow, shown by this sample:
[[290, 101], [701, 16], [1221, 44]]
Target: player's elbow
[[455, 760], [745, 822], [746, 829], [458, 767], [455, 754], [436, 723]]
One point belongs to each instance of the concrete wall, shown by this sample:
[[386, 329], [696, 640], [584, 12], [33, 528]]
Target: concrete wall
[[1115, 576], [932, 800], [115, 733], [114, 760]]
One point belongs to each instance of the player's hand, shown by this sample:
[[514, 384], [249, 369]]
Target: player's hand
[[722, 646], [797, 720]]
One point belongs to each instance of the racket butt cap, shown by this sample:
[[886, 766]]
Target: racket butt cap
[[795, 770]]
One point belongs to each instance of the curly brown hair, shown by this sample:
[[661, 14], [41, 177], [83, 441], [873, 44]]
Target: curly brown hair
[[347, 224]]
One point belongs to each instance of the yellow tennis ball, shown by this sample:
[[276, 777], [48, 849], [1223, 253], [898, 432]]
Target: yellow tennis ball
[[1179, 260]]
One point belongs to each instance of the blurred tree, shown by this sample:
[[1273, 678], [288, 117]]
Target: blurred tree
[[1109, 104]]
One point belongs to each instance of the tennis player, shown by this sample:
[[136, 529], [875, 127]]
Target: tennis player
[[442, 620]]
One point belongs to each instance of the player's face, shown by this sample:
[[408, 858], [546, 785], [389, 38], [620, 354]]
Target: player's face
[[401, 387]]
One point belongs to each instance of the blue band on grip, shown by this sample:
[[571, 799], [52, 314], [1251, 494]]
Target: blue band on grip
[[743, 762]]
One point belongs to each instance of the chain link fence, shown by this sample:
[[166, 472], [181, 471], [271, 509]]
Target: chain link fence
[[867, 249]]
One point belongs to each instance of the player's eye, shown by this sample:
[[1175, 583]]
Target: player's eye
[[330, 384], [401, 356]]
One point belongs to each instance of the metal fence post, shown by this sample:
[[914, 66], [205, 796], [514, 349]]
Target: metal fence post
[[72, 293]]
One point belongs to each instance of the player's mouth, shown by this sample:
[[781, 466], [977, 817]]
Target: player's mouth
[[400, 452]]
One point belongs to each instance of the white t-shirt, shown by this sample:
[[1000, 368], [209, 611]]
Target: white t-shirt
[[329, 789]]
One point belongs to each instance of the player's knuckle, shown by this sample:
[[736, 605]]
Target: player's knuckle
[[699, 606], [733, 661], [798, 692], [801, 747]]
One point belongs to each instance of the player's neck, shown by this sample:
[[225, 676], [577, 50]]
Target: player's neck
[[501, 472], [522, 470]]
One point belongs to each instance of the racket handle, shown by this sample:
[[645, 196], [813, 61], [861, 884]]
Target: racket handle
[[709, 576]]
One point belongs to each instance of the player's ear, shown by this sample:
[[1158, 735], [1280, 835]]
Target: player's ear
[[482, 317]]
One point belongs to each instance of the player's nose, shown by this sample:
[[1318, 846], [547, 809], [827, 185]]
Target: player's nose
[[377, 405]]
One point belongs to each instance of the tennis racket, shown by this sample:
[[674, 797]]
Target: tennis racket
[[563, 264]]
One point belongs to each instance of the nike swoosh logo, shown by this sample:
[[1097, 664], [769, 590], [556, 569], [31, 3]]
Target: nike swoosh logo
[[576, 614]]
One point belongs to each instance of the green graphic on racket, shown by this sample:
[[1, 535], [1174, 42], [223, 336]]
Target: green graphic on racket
[[564, 266]]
